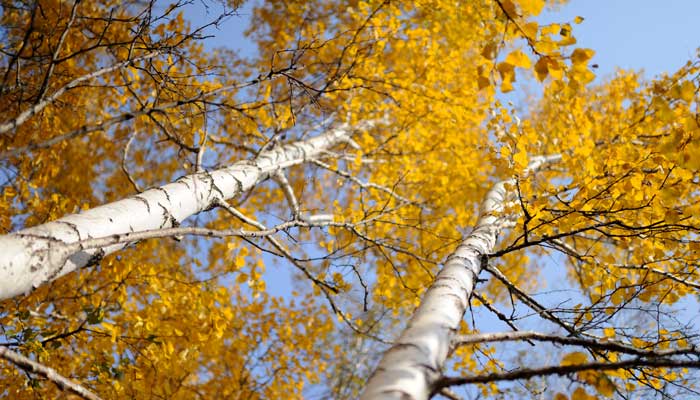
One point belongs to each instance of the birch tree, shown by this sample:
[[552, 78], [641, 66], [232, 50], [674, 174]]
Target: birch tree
[[156, 191]]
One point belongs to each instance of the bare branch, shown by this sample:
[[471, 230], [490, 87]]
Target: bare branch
[[360, 183], [527, 373], [124, 168], [602, 344], [281, 180], [49, 373], [663, 273], [529, 301]]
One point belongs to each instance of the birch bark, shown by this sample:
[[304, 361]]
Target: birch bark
[[410, 368], [36, 255]]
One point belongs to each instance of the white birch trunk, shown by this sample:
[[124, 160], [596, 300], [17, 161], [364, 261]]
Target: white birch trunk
[[36, 255], [414, 363]]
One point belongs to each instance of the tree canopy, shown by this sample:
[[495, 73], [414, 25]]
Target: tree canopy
[[154, 189]]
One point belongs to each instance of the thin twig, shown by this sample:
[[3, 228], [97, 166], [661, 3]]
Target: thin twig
[[124, 157], [529, 301], [364, 185]]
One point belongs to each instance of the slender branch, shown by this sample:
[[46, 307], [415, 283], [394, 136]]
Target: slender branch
[[34, 367], [602, 344], [124, 168], [494, 310], [449, 394], [529, 301], [281, 180], [102, 125], [527, 373], [323, 286], [202, 144], [130, 237], [277, 245], [666, 274], [25, 115], [360, 183], [57, 50]]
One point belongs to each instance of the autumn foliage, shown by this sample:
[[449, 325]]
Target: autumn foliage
[[598, 252]]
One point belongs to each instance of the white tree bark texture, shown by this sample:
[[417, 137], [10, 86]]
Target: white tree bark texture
[[36, 255], [409, 369]]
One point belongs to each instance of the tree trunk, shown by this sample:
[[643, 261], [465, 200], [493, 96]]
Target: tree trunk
[[33, 256], [410, 368]]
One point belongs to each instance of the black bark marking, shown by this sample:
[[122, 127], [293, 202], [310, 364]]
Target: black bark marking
[[463, 260], [183, 180], [212, 188], [239, 184], [144, 201], [73, 227], [165, 192]]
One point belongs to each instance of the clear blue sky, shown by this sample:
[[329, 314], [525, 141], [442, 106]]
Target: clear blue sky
[[653, 35]]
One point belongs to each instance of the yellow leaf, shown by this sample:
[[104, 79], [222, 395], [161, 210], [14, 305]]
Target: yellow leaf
[[580, 394], [541, 69], [358, 160], [509, 8], [574, 358], [604, 385], [580, 56], [483, 82], [532, 7], [518, 59], [618, 297], [489, 51], [242, 278], [506, 152], [521, 159], [578, 19], [507, 72], [687, 91], [530, 30], [239, 262], [609, 332], [506, 86], [694, 246]]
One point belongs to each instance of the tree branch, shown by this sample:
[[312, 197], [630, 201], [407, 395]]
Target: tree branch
[[527, 373], [49, 373]]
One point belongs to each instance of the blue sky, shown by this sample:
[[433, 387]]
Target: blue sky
[[653, 35]]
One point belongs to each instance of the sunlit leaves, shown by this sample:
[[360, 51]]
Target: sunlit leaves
[[617, 215]]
